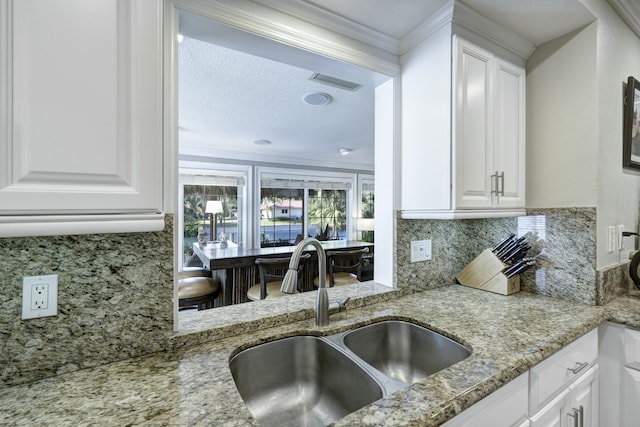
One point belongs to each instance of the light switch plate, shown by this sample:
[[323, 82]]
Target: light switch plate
[[420, 250], [39, 296]]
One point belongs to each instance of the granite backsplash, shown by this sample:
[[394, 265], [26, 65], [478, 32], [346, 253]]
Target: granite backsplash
[[565, 238], [115, 296], [115, 290]]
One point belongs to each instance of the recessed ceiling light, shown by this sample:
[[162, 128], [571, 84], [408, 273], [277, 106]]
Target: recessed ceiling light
[[262, 142], [317, 98], [345, 151]]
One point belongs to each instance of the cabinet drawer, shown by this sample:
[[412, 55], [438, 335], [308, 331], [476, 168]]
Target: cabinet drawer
[[559, 370], [507, 406]]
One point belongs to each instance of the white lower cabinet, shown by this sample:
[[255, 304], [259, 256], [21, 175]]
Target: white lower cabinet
[[620, 379], [574, 406], [563, 389], [560, 391], [631, 397]]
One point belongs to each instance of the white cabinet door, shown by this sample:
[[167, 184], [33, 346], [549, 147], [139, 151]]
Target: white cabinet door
[[630, 397], [489, 130], [552, 414], [473, 125], [582, 406], [81, 85], [509, 135]]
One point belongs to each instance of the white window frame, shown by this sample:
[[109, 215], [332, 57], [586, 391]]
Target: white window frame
[[284, 174], [212, 169], [363, 179]]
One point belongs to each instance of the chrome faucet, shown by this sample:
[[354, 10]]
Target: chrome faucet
[[290, 281]]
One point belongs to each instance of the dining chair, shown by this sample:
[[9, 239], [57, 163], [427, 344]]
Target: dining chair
[[344, 267], [272, 271], [196, 288]]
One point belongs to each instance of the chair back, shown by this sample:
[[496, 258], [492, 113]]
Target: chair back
[[345, 261], [274, 270]]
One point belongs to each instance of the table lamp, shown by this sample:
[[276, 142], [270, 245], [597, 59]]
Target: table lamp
[[214, 207]]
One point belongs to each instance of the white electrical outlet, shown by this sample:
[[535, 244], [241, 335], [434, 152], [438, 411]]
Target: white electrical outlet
[[611, 238], [620, 237], [39, 296], [420, 250]]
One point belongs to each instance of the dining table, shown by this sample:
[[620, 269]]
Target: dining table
[[235, 266]]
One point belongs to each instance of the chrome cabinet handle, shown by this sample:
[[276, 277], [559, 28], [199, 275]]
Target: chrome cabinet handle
[[581, 413], [494, 180], [577, 418], [501, 177], [579, 367]]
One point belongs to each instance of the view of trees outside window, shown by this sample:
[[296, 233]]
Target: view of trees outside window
[[282, 217], [368, 200], [328, 214], [195, 201]]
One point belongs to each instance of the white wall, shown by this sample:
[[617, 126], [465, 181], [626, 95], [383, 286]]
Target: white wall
[[562, 141], [618, 56], [574, 122]]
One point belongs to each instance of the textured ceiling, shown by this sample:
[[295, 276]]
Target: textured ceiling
[[228, 99], [235, 87]]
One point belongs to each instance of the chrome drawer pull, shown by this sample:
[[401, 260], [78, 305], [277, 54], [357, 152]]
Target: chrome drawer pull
[[579, 367]]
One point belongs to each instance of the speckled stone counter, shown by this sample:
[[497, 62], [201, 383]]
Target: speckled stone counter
[[193, 386]]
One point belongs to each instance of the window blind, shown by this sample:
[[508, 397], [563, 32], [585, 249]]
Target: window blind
[[315, 184]]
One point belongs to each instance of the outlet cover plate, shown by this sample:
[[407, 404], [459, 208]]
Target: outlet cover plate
[[39, 296], [620, 237], [420, 250], [611, 238]]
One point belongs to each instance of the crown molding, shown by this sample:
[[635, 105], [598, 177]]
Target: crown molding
[[471, 20], [250, 16], [442, 17], [316, 15], [629, 11]]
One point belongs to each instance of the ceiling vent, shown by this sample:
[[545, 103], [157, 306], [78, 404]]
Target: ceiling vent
[[335, 82]]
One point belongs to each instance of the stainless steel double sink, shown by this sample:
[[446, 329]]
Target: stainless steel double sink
[[314, 381]]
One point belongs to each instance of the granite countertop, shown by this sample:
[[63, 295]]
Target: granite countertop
[[193, 386]]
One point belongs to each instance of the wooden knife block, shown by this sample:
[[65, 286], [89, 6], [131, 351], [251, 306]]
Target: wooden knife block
[[485, 272]]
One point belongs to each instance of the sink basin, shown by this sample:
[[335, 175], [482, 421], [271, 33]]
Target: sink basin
[[301, 380], [404, 351]]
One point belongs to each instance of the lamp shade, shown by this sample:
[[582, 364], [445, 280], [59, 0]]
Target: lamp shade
[[365, 224], [214, 207]]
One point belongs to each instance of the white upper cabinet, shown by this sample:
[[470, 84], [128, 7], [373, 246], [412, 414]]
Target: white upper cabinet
[[81, 113], [488, 130], [463, 129]]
